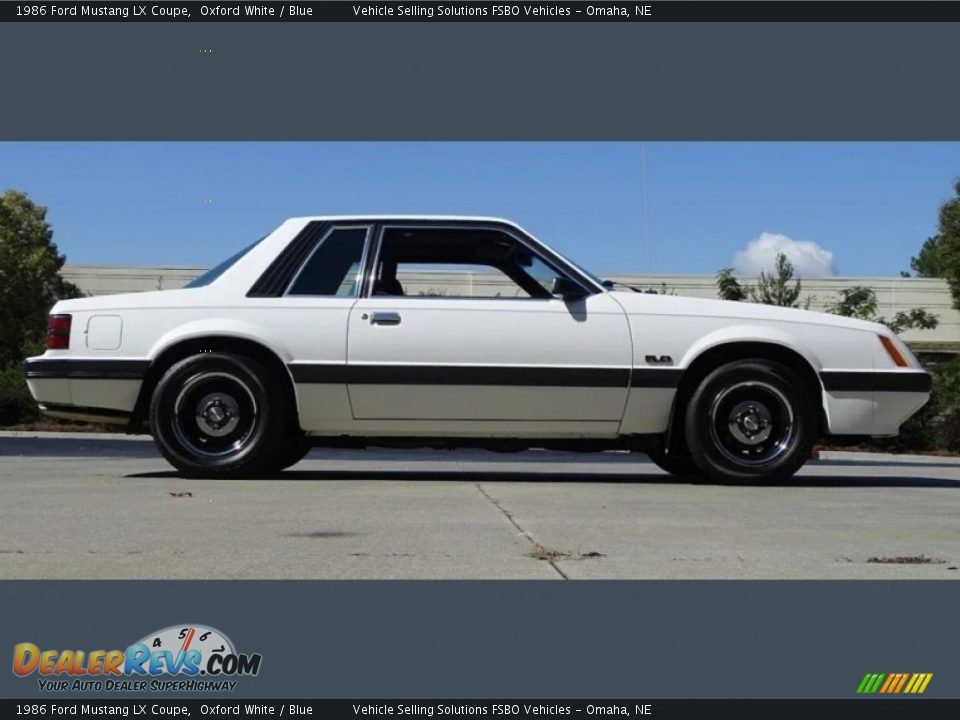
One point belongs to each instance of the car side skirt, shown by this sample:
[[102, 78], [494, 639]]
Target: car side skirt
[[518, 401], [106, 416]]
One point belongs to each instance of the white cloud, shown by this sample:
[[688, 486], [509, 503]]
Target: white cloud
[[808, 258]]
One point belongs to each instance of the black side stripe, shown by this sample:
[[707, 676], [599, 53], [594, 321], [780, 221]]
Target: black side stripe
[[861, 381], [486, 375], [90, 369], [656, 378], [838, 380]]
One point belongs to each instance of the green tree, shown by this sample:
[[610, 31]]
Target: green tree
[[860, 302], [728, 287], [30, 281], [927, 263], [781, 289], [777, 288], [948, 243]]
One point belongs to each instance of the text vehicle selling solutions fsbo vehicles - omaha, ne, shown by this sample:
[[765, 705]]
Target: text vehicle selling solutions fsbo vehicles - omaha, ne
[[309, 337]]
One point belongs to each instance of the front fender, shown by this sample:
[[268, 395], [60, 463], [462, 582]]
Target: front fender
[[752, 334]]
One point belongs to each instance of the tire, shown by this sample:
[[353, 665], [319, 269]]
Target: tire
[[219, 415], [677, 462], [292, 449], [751, 421]]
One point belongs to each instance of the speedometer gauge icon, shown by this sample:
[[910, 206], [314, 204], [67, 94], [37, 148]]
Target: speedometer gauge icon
[[179, 640]]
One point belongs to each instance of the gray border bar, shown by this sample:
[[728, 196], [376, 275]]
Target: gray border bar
[[409, 81], [489, 639]]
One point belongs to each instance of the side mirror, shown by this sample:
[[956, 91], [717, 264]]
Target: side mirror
[[567, 289]]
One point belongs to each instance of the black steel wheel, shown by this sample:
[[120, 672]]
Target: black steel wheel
[[676, 461], [751, 421], [291, 450], [218, 415]]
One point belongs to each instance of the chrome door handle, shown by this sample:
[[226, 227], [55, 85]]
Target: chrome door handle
[[384, 318]]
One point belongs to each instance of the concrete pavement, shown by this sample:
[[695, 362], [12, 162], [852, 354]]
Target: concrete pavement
[[107, 507]]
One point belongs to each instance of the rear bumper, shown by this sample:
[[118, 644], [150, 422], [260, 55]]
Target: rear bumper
[[873, 403], [85, 389]]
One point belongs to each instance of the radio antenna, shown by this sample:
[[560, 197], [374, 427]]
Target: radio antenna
[[646, 211]]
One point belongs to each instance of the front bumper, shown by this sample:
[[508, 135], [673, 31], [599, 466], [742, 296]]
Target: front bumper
[[873, 403]]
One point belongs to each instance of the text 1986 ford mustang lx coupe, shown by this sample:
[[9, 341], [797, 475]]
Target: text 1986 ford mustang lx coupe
[[309, 337]]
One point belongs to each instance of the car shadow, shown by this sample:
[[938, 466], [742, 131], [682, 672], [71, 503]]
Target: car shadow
[[887, 463], [835, 481]]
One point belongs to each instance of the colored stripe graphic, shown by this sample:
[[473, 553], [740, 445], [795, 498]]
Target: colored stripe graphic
[[894, 683], [870, 683], [903, 681]]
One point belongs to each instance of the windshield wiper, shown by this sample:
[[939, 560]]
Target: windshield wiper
[[614, 283]]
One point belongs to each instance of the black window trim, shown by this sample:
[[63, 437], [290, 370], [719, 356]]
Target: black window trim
[[552, 259], [275, 278], [368, 227]]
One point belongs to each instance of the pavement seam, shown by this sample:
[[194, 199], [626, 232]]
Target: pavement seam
[[506, 513]]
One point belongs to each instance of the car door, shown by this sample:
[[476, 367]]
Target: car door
[[452, 362]]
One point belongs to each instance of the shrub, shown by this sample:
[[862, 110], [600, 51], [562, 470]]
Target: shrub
[[16, 403]]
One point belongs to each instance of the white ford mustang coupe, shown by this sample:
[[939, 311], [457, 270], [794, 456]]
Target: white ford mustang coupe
[[308, 337]]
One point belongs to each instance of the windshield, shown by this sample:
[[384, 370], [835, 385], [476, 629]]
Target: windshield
[[213, 273], [589, 274]]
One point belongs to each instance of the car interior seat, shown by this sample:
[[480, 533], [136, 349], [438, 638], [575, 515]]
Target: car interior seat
[[387, 283]]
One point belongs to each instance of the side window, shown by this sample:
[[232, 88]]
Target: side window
[[460, 263], [457, 281], [537, 269], [333, 268]]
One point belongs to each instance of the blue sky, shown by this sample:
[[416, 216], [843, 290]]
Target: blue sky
[[869, 204]]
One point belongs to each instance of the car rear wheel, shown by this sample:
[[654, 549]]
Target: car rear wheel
[[218, 415], [751, 421]]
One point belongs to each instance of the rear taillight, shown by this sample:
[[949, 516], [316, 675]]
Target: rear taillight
[[58, 332]]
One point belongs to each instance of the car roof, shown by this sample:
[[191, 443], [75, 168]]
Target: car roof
[[407, 218]]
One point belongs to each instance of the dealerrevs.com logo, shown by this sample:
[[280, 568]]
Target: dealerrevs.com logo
[[178, 658]]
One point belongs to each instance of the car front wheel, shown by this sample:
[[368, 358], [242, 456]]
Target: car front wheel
[[676, 461], [751, 421], [218, 415], [291, 450]]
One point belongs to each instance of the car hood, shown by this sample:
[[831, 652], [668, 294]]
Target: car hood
[[651, 304]]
